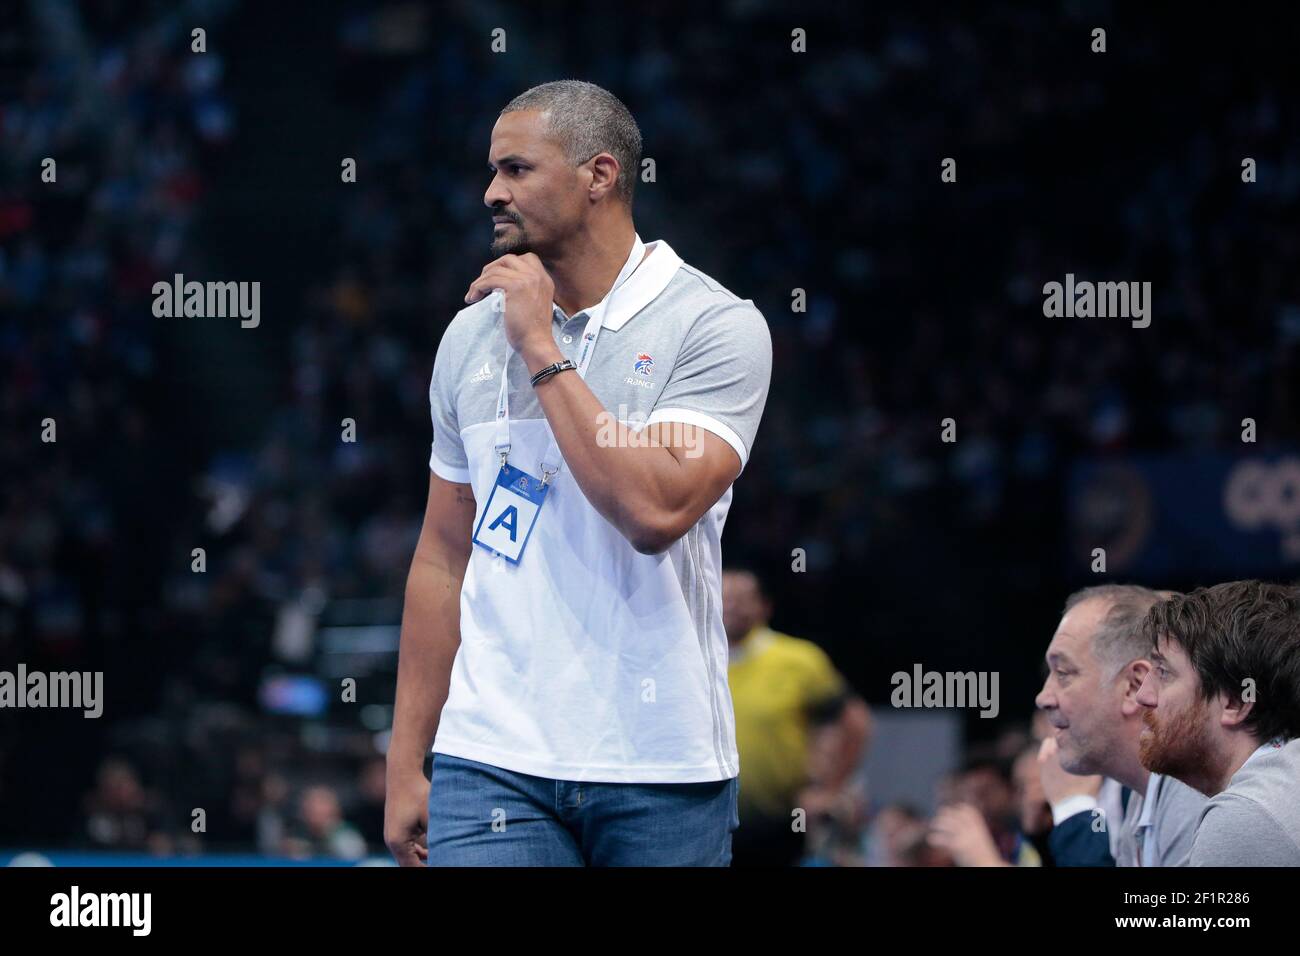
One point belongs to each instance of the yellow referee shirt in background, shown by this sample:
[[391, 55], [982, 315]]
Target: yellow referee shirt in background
[[777, 682]]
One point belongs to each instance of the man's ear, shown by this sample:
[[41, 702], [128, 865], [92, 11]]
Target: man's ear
[[604, 175], [1133, 674], [1235, 711]]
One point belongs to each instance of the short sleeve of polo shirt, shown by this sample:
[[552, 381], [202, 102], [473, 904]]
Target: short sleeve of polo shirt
[[447, 460], [721, 376]]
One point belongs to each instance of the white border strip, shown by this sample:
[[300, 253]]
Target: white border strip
[[446, 472], [688, 417]]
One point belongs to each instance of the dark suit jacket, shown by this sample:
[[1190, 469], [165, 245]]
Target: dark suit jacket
[[1075, 843]]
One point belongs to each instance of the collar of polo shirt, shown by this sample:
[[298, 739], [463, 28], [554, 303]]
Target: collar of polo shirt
[[640, 289]]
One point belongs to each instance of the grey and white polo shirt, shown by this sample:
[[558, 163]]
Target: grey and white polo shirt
[[589, 660]]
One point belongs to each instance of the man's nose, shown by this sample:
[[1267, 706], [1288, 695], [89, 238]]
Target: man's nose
[[1045, 700], [1146, 695], [496, 198]]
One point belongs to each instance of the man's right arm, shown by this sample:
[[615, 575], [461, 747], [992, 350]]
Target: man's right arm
[[429, 639]]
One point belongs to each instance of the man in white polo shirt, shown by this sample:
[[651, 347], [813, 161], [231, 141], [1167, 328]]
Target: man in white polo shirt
[[562, 641]]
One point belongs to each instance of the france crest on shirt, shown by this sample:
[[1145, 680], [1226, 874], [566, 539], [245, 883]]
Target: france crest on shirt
[[510, 513]]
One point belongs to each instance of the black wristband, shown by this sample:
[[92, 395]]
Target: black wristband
[[551, 369]]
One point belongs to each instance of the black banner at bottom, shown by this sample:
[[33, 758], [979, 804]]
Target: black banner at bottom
[[375, 904]]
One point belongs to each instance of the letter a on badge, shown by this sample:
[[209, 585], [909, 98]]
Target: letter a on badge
[[509, 517]]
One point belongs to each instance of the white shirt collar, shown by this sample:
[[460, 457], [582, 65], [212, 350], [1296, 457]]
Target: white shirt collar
[[1277, 743], [640, 288]]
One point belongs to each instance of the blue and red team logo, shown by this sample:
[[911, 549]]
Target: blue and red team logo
[[644, 364]]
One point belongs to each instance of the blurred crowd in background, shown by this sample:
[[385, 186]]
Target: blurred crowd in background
[[774, 172]]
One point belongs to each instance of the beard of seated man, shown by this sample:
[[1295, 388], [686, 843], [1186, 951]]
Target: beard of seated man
[[1178, 747]]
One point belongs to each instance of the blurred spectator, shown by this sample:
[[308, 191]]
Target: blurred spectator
[[322, 831], [369, 812], [120, 813], [1035, 813], [272, 815], [980, 827], [801, 733], [899, 836]]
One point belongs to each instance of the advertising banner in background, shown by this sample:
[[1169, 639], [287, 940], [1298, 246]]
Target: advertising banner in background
[[1215, 515]]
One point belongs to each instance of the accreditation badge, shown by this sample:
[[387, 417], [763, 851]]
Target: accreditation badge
[[511, 512]]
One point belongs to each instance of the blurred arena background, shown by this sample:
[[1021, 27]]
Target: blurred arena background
[[775, 172]]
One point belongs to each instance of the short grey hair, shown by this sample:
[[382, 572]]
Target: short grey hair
[[1120, 637], [585, 120]]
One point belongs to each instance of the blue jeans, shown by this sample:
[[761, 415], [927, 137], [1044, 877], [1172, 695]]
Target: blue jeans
[[481, 815]]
